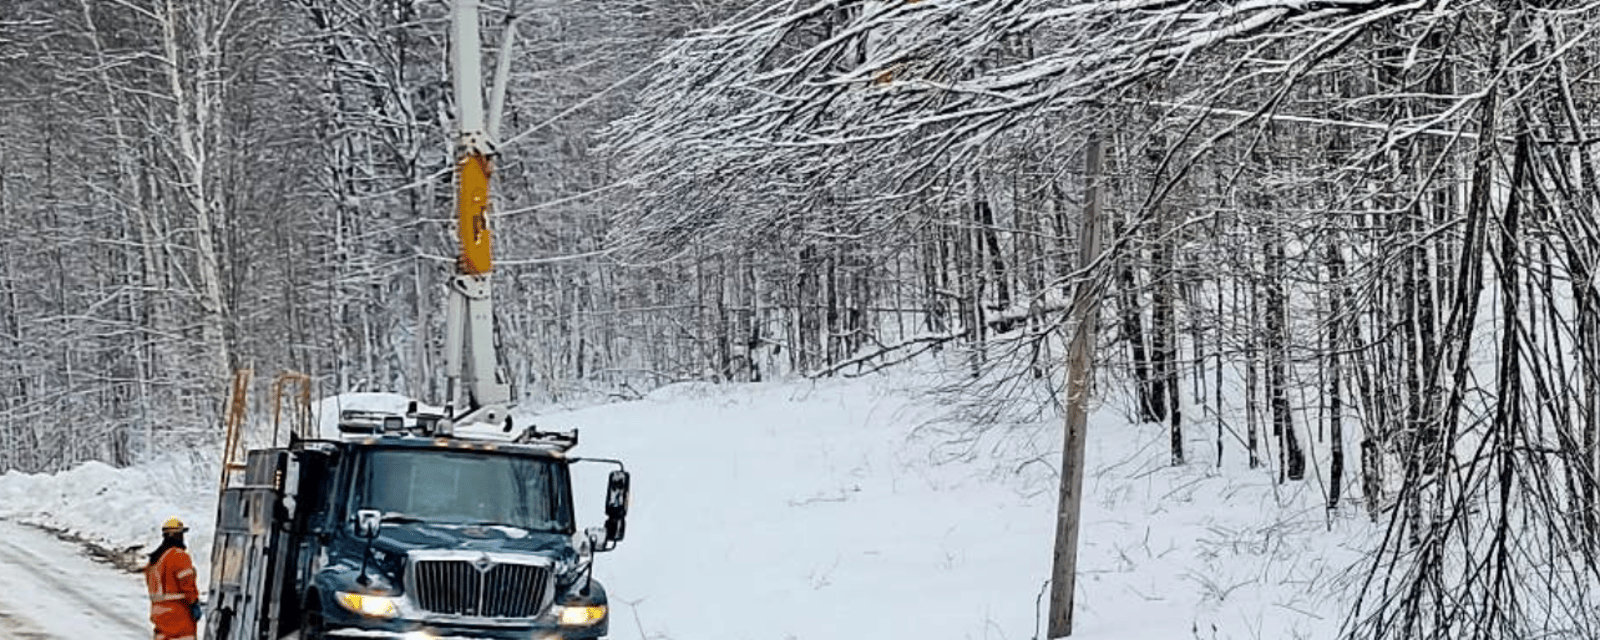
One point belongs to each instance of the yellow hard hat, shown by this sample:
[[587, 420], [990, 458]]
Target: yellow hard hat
[[173, 524]]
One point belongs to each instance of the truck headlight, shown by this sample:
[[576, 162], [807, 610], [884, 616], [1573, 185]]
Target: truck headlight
[[580, 615], [370, 606]]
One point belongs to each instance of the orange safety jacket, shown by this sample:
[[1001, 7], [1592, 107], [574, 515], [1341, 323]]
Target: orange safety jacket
[[172, 590]]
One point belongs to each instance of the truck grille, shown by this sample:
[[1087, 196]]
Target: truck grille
[[479, 588]]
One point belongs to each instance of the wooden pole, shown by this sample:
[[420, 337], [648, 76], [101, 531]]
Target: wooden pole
[[1080, 355]]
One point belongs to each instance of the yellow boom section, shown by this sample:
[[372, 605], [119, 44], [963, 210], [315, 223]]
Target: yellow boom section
[[472, 213]]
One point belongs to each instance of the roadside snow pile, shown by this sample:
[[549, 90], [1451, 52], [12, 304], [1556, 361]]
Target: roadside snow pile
[[120, 510], [811, 511]]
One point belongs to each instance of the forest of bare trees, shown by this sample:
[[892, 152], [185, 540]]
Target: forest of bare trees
[[1363, 223], [190, 187]]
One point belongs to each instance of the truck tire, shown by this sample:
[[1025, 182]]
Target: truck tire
[[311, 626]]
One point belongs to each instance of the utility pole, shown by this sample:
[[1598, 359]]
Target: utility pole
[[1080, 355]]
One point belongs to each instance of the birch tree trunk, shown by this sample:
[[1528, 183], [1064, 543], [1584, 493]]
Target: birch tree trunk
[[190, 39]]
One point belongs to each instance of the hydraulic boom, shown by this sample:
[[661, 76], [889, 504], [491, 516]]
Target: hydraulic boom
[[471, 362]]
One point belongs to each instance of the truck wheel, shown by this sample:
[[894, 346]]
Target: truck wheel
[[311, 627]]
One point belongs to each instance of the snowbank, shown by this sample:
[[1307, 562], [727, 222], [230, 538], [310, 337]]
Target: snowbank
[[811, 511], [120, 510]]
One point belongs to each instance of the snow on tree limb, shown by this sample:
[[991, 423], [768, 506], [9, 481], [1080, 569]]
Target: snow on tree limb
[[920, 88]]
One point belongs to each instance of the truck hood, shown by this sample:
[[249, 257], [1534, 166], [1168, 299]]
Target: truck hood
[[401, 538], [386, 564]]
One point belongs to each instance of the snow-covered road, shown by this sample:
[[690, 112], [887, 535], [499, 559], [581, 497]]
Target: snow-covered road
[[50, 591]]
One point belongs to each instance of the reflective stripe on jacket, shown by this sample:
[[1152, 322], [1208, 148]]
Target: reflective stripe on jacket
[[172, 590]]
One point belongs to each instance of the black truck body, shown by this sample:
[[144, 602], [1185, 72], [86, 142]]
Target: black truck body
[[402, 536]]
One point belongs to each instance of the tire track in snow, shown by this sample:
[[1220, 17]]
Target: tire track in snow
[[14, 628], [49, 591]]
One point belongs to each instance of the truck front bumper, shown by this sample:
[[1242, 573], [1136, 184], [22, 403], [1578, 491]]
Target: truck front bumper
[[444, 628], [419, 630]]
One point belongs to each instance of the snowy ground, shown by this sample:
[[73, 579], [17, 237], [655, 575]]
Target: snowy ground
[[810, 511], [48, 590]]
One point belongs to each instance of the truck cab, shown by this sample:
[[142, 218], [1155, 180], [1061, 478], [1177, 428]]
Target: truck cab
[[396, 533]]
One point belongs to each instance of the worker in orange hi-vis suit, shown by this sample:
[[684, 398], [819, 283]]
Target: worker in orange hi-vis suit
[[174, 600]]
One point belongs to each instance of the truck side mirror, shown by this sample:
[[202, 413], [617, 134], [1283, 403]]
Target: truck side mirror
[[615, 527], [616, 507], [617, 494], [368, 523]]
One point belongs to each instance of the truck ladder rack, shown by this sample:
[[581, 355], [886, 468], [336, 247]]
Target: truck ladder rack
[[291, 395]]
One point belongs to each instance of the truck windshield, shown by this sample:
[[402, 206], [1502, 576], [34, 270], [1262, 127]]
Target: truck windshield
[[457, 487]]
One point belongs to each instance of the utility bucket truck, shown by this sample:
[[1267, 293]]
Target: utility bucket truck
[[401, 526]]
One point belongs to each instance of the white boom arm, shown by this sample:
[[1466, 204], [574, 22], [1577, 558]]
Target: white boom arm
[[471, 363]]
